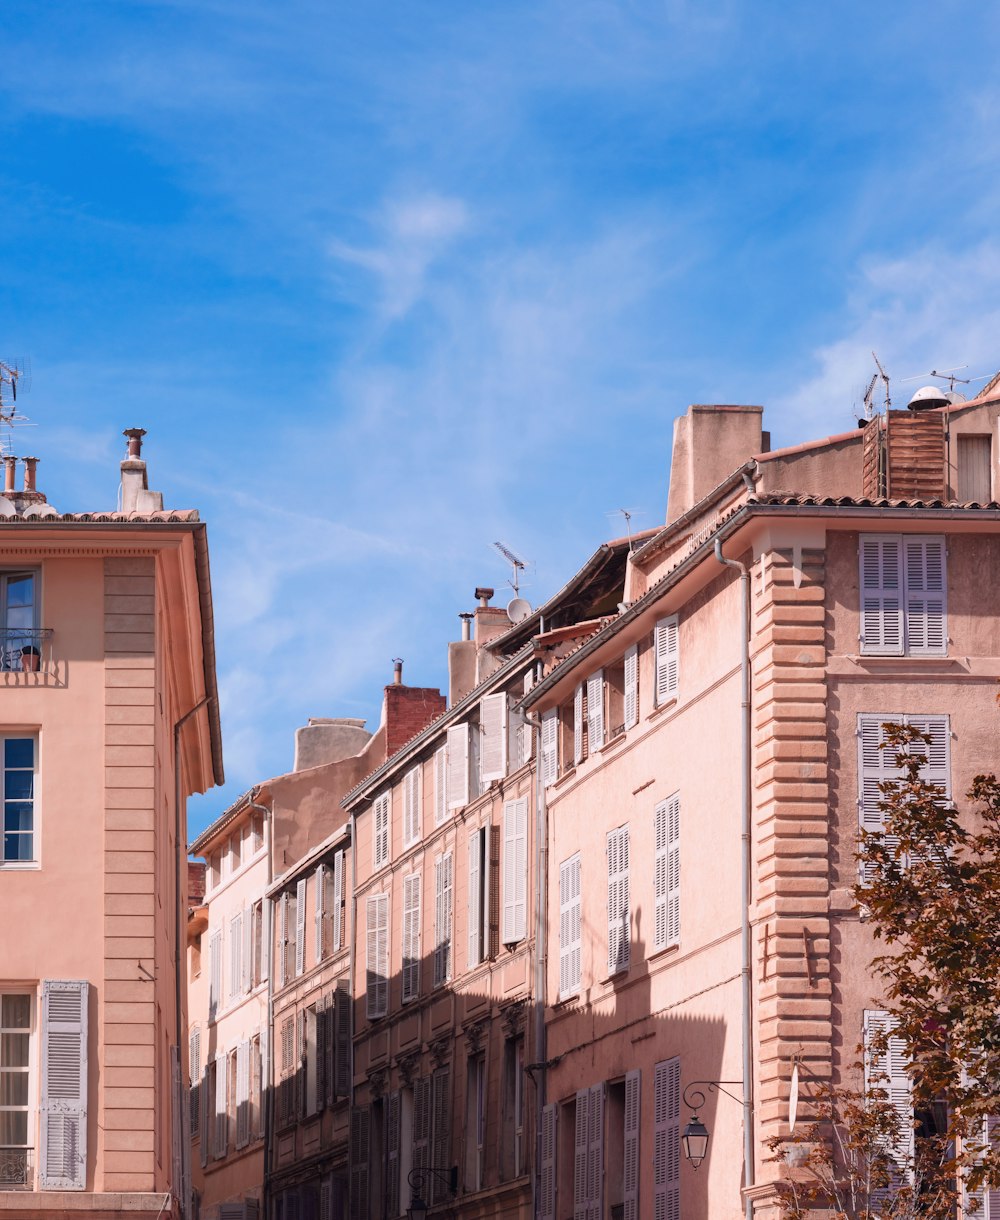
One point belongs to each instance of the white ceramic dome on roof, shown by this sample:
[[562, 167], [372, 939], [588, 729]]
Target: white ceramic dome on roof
[[926, 397]]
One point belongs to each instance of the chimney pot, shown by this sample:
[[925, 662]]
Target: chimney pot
[[397, 671], [484, 596], [29, 473], [10, 469], [466, 618], [134, 437]]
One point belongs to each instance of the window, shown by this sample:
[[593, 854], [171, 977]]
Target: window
[[235, 851], [550, 739], [15, 1071], [215, 870], [903, 595], [515, 871], [380, 830], [329, 906], [258, 961], [493, 732], [257, 832], [621, 1169], [666, 1138], [614, 687], [887, 1069], [667, 873], [310, 1061], [458, 765], [411, 937], [569, 927], [475, 1124], [412, 796], [482, 921], [618, 900], [194, 1073], [443, 885], [19, 842], [377, 956], [440, 786], [18, 605], [974, 473], [256, 1089], [588, 1160], [511, 1150], [666, 643]]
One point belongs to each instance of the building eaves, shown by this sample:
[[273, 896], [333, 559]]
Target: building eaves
[[224, 819], [341, 835], [664, 534], [177, 516]]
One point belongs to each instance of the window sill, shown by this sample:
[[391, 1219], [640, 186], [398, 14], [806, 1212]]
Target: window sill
[[613, 742], [900, 658], [662, 707], [619, 977], [565, 1002], [666, 951], [19, 866]]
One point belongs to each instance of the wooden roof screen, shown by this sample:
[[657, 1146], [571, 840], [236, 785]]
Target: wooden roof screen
[[903, 456]]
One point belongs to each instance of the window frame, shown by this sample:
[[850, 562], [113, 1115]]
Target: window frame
[[30, 1070], [35, 834], [30, 633]]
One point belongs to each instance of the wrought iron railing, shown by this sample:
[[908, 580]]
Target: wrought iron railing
[[17, 1168], [25, 650]]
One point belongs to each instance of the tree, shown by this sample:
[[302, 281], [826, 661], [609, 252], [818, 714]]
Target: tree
[[931, 894]]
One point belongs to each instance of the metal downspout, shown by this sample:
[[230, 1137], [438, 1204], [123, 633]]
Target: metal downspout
[[748, 1127], [267, 1074], [541, 956], [350, 967]]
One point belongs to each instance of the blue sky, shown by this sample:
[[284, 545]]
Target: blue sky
[[386, 282]]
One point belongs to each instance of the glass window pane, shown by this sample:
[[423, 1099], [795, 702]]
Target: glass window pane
[[15, 1011], [19, 752], [19, 785], [17, 847], [13, 1088], [14, 1128], [17, 816], [14, 1050], [20, 590]]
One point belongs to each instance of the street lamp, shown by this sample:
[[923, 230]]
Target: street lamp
[[417, 1181], [695, 1137]]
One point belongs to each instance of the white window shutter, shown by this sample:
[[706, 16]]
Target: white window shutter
[[221, 1117], [392, 1139], [475, 909], [63, 1117], [247, 955], [443, 881], [412, 827], [578, 725], [632, 686], [881, 595], [595, 711], [376, 957], [242, 1094], [266, 947], [661, 868], [338, 898], [875, 766], [215, 972], [493, 726], [411, 937], [595, 1158], [235, 953], [581, 1157], [618, 900], [630, 1167], [886, 1070], [547, 1208], [569, 927], [667, 1140], [549, 759], [282, 940], [380, 830], [320, 884], [515, 871], [440, 786], [666, 639], [300, 927], [926, 596], [458, 765], [673, 870]]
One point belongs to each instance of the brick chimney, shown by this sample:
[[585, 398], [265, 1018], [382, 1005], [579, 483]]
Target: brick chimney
[[408, 709], [136, 496], [710, 443]]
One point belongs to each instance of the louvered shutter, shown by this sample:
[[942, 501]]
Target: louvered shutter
[[491, 915], [194, 1075], [392, 1184], [578, 713], [926, 596], [595, 1157], [242, 1094], [881, 595], [323, 1019], [441, 1128], [320, 884], [63, 1118], [667, 1140], [411, 806], [235, 956], [618, 900], [329, 1048], [632, 686], [475, 911], [300, 1066], [343, 1011], [287, 1084], [411, 937], [876, 766], [338, 899], [581, 1157], [326, 1199], [440, 786], [442, 918], [886, 1070], [421, 1122], [569, 927], [251, 1209], [660, 872], [670, 860], [547, 1205], [549, 751], [247, 954], [205, 1117], [283, 941], [215, 973], [667, 658], [360, 1139], [300, 927], [493, 726], [221, 1115], [515, 870], [380, 830], [266, 947], [377, 992], [595, 711], [984, 1203], [630, 1166], [458, 766]]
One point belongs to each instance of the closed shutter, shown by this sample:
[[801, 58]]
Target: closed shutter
[[411, 807], [338, 899], [595, 711], [549, 759], [63, 1160], [441, 1133], [360, 1138], [215, 973], [475, 911], [242, 1094], [421, 1122], [926, 594], [326, 1199], [440, 786], [235, 956], [300, 1067], [547, 1192], [595, 1157], [630, 1167], [329, 1049], [667, 659], [392, 1122], [886, 1070], [265, 1072], [618, 900], [493, 726], [282, 940], [581, 1150], [247, 962], [300, 927], [668, 873], [667, 1140], [377, 961], [411, 937], [221, 1139], [342, 1064], [515, 871], [266, 948], [442, 918], [380, 830], [323, 1019], [321, 948], [984, 1203], [578, 713], [205, 1116], [569, 927], [491, 915], [458, 766], [194, 1075], [881, 595], [285, 1100], [632, 686]]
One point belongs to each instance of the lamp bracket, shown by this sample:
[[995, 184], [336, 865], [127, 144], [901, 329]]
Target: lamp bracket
[[417, 1179], [712, 1086]]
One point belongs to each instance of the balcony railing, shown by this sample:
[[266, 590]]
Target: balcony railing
[[17, 1168], [25, 651]]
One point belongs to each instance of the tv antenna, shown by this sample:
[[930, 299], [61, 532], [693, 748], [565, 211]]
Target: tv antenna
[[10, 375], [628, 514], [870, 391], [949, 376], [516, 562]]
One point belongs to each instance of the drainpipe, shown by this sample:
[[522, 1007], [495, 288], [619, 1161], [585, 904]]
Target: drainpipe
[[748, 1129], [350, 965], [267, 934], [180, 931]]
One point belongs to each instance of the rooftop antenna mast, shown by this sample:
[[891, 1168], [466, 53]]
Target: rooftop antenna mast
[[516, 562], [869, 408], [949, 376], [885, 378], [10, 375]]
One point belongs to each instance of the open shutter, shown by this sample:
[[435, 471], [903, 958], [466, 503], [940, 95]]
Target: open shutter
[[595, 1157], [515, 871], [324, 1018], [411, 806], [493, 726], [673, 870], [569, 927], [984, 1203], [221, 1141], [377, 990], [320, 883], [926, 596], [886, 1071], [667, 653], [876, 766], [441, 1128], [595, 711], [328, 1051], [881, 595], [547, 1203], [421, 1122], [475, 912], [194, 1075], [380, 830], [360, 1139], [458, 765], [660, 871], [300, 927], [630, 1167], [392, 1123], [343, 1034], [215, 973], [618, 900], [491, 882], [283, 940], [235, 956], [338, 899], [411, 937], [440, 786], [632, 686], [549, 751], [247, 955], [667, 1140], [442, 918], [242, 1094], [63, 1160], [578, 705], [581, 1150], [205, 1117]]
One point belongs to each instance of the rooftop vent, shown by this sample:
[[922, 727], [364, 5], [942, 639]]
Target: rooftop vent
[[927, 398]]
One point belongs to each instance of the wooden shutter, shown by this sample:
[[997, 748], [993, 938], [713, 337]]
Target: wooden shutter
[[411, 806], [242, 1094], [411, 937], [300, 1067], [338, 899], [440, 786], [328, 1051], [618, 900], [300, 927], [881, 595], [673, 870], [247, 955], [266, 947], [360, 1138], [441, 1128], [458, 765], [491, 915], [442, 918], [475, 909], [632, 686], [886, 1070], [515, 871], [215, 973], [221, 1135], [547, 1204], [549, 750], [660, 871], [282, 939], [323, 1020], [667, 658], [235, 956], [595, 1155], [377, 954], [205, 1116], [392, 1134], [343, 1035], [581, 1150], [984, 1204], [876, 766], [667, 1140], [320, 884], [326, 1199], [493, 726], [926, 596], [194, 1075], [569, 927], [630, 1167], [595, 711], [63, 1117], [421, 1122], [578, 713], [380, 830]]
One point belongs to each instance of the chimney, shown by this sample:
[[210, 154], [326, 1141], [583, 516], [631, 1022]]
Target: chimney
[[30, 467], [406, 711], [136, 496], [466, 618], [710, 443], [10, 472], [490, 621], [397, 671]]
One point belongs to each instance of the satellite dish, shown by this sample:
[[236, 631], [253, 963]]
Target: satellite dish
[[793, 1099], [518, 609]]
